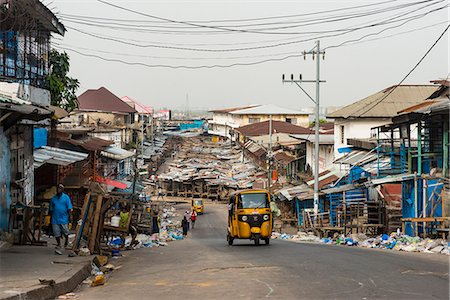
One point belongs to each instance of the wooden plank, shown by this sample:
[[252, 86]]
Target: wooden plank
[[79, 229], [93, 235], [88, 221]]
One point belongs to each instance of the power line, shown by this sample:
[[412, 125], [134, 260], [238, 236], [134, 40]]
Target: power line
[[254, 47], [183, 66], [322, 20], [215, 27], [241, 20], [351, 42], [71, 47], [377, 101]]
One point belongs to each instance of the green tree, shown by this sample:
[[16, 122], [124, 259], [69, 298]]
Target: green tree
[[62, 87]]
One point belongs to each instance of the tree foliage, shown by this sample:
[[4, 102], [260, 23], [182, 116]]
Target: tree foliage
[[62, 87]]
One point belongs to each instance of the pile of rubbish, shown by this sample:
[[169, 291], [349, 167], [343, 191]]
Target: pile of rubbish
[[394, 241], [170, 230]]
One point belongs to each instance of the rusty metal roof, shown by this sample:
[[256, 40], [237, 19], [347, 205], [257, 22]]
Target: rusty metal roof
[[429, 106], [262, 128], [386, 103]]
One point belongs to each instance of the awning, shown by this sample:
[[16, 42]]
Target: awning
[[56, 156], [110, 182], [116, 153], [390, 179]]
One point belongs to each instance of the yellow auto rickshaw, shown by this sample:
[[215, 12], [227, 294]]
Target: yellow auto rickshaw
[[249, 216], [198, 206]]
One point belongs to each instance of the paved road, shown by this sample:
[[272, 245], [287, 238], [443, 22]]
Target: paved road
[[204, 266]]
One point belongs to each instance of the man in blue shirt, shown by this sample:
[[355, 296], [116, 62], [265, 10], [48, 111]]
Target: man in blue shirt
[[60, 209]]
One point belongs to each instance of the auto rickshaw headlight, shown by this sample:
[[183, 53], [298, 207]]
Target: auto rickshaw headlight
[[266, 217], [244, 218]]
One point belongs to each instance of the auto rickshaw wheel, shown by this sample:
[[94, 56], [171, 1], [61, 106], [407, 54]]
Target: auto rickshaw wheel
[[267, 240], [229, 239], [256, 241]]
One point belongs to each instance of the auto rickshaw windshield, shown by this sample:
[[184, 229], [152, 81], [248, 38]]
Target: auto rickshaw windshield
[[198, 202], [253, 200]]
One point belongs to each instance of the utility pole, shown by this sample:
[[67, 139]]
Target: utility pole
[[269, 157], [315, 52]]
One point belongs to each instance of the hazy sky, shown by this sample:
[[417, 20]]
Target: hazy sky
[[352, 72]]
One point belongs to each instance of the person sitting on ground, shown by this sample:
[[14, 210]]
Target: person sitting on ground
[[193, 217], [60, 210], [185, 226], [132, 230]]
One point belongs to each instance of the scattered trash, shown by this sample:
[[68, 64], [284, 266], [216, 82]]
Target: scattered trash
[[68, 296], [98, 280], [47, 281], [100, 260], [395, 241], [84, 252]]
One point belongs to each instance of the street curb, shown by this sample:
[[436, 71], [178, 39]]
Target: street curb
[[59, 288]]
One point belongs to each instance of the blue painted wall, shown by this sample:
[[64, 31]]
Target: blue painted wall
[[5, 179]]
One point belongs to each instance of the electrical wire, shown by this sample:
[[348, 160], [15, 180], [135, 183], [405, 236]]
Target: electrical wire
[[321, 20], [380, 99], [241, 20], [351, 42], [183, 66], [71, 47], [248, 48], [214, 27]]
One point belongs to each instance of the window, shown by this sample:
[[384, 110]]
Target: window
[[259, 200], [292, 120], [342, 134], [254, 120]]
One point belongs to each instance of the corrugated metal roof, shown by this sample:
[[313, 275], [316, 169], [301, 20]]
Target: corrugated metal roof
[[325, 139], [375, 106], [262, 128], [228, 110], [116, 153], [284, 158], [142, 109], [56, 156], [102, 100], [429, 106], [268, 109]]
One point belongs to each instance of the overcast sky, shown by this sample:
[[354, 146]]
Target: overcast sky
[[352, 72]]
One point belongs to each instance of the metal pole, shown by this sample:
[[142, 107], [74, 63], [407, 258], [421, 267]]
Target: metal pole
[[316, 145], [269, 156], [142, 141]]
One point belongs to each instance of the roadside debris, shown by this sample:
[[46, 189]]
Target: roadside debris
[[394, 241]]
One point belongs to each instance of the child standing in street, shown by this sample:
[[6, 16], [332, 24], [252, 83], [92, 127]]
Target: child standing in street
[[193, 217]]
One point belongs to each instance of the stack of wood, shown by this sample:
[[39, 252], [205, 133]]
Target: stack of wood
[[90, 227]]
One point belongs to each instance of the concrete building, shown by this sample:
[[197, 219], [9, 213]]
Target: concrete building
[[24, 101], [225, 121], [356, 120]]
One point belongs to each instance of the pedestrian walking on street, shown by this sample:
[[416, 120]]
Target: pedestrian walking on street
[[185, 226], [60, 210], [160, 193], [193, 218], [187, 215]]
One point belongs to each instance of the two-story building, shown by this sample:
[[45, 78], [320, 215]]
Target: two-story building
[[355, 120], [24, 100], [225, 121]]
